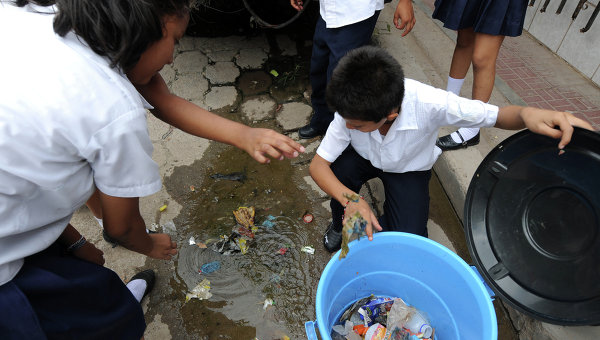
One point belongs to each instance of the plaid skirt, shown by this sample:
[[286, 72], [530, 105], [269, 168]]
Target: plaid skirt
[[61, 297], [495, 17]]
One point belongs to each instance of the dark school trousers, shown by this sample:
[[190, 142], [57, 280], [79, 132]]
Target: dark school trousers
[[62, 297], [329, 46], [406, 206]]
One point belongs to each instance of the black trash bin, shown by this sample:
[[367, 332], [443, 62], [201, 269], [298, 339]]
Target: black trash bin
[[532, 221]]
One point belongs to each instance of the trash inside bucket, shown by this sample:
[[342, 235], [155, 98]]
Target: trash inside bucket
[[423, 273]]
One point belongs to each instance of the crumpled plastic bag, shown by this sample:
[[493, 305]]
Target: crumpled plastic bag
[[245, 217], [200, 292]]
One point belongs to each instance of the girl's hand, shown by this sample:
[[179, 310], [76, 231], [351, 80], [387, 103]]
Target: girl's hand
[[90, 253], [365, 211], [162, 247], [297, 4], [544, 122], [264, 143]]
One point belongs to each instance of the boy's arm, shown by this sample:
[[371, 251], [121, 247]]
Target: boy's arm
[[540, 121], [320, 170], [197, 121], [122, 221]]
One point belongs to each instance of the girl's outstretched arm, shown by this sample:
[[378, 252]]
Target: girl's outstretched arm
[[191, 118]]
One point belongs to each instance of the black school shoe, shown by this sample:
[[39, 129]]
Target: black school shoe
[[446, 142], [308, 132], [148, 276], [332, 240]]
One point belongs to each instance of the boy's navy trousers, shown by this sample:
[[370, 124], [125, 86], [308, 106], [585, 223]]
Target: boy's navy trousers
[[406, 206], [329, 46]]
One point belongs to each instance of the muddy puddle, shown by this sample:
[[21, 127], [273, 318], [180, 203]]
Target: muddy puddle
[[240, 287], [274, 267]]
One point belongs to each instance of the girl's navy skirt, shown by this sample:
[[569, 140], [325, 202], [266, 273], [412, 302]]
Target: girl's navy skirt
[[62, 297], [495, 17]]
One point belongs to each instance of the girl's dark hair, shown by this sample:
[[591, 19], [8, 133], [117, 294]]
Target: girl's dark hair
[[118, 29], [367, 85]]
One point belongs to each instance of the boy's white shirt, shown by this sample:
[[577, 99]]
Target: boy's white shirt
[[410, 143], [338, 13], [67, 121]]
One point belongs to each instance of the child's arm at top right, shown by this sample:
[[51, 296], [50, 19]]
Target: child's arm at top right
[[189, 117], [404, 16], [320, 171], [540, 121]]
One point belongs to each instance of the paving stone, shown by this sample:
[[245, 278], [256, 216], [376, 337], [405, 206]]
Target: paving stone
[[190, 62], [251, 58], [190, 86], [168, 74], [223, 72], [226, 55], [294, 116], [258, 108], [220, 96]]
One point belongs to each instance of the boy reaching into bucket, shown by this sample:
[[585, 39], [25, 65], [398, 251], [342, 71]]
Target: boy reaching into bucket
[[386, 126]]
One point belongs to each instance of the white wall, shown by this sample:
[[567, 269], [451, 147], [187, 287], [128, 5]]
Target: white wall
[[562, 35]]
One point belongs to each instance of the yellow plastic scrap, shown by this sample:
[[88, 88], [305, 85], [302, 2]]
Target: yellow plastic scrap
[[274, 73], [245, 217], [200, 292], [162, 208], [242, 244]]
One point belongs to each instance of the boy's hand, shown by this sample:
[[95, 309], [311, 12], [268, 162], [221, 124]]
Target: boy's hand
[[162, 247], [406, 15], [264, 143], [297, 4], [365, 211], [90, 253], [544, 122]]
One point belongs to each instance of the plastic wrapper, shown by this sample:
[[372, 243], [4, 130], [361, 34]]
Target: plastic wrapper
[[375, 311], [355, 224]]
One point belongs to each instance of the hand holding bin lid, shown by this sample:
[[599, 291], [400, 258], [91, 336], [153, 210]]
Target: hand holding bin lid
[[532, 220]]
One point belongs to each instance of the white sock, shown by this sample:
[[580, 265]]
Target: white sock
[[137, 288], [99, 221], [466, 133], [454, 85]]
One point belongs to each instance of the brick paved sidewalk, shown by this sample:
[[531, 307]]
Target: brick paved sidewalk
[[538, 77]]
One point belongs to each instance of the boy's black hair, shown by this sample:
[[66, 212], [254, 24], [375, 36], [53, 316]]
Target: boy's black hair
[[118, 29], [367, 85]]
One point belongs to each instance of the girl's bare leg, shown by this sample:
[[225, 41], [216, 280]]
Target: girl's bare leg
[[463, 52], [484, 58], [484, 54]]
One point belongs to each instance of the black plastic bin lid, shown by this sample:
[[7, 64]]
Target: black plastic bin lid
[[533, 225]]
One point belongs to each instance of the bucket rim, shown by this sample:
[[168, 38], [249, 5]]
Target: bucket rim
[[387, 235]]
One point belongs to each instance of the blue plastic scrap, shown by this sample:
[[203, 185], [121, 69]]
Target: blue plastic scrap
[[268, 223], [210, 267]]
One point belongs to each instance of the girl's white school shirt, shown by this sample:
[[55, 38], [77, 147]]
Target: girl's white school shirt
[[409, 145], [338, 13], [67, 121]]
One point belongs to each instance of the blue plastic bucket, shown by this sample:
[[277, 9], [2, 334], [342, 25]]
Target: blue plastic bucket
[[422, 272]]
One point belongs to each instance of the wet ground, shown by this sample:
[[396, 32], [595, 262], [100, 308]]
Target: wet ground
[[225, 178]]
